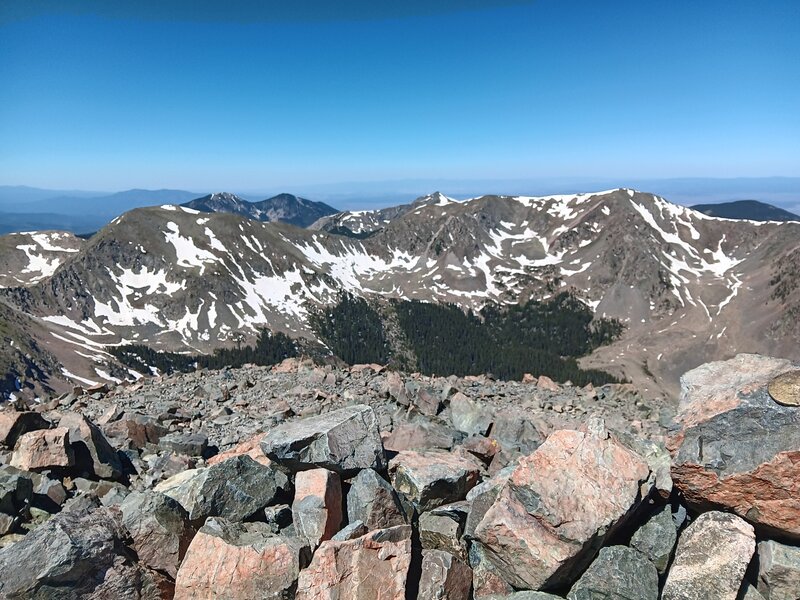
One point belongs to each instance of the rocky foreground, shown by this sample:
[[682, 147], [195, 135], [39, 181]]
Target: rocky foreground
[[310, 482]]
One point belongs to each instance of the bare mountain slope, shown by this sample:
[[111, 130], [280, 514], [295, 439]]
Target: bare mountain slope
[[690, 287]]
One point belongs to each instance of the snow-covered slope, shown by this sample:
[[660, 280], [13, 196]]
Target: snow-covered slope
[[690, 287], [26, 258]]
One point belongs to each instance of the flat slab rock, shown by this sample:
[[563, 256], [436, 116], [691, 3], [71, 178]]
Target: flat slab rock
[[559, 505], [735, 448], [345, 440]]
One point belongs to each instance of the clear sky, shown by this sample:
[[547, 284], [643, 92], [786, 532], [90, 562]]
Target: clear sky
[[266, 94]]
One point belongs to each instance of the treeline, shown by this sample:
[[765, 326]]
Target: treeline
[[353, 331], [269, 349], [538, 337]]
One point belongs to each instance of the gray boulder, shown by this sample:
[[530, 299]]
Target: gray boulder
[[374, 502], [442, 531], [468, 417], [433, 478], [65, 557], [350, 532], [656, 538], [190, 444], [618, 573], [16, 491], [234, 489], [345, 441], [778, 570], [160, 529]]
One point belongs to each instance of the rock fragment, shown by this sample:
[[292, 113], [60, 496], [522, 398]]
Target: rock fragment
[[372, 566], [444, 577], [735, 448], [43, 449], [778, 570], [71, 551], [656, 538], [317, 506], [93, 453], [433, 478], [374, 502], [346, 441], [160, 529], [14, 424], [711, 558]]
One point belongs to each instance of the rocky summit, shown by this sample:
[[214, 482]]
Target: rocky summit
[[305, 481]]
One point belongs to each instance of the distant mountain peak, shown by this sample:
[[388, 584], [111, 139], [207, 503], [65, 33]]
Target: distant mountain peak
[[284, 207]]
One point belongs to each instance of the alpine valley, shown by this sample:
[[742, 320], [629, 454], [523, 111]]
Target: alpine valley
[[213, 273]]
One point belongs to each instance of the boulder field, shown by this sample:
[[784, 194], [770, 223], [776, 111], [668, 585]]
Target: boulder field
[[398, 487]]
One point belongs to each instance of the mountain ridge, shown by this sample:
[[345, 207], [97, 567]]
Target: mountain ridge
[[685, 284], [284, 207]]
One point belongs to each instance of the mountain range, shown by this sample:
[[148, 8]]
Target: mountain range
[[286, 208], [687, 286]]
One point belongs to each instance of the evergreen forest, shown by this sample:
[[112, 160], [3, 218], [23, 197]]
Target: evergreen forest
[[269, 349]]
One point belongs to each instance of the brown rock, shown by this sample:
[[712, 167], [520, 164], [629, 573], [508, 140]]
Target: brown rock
[[481, 447], [433, 478], [370, 567], [428, 402], [134, 431], [14, 424], [735, 448], [545, 383], [422, 434], [317, 506], [444, 577], [251, 448], [43, 449], [395, 388], [711, 559], [559, 505], [528, 378], [239, 561]]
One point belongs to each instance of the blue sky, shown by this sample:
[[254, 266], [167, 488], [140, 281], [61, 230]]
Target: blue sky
[[267, 95]]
